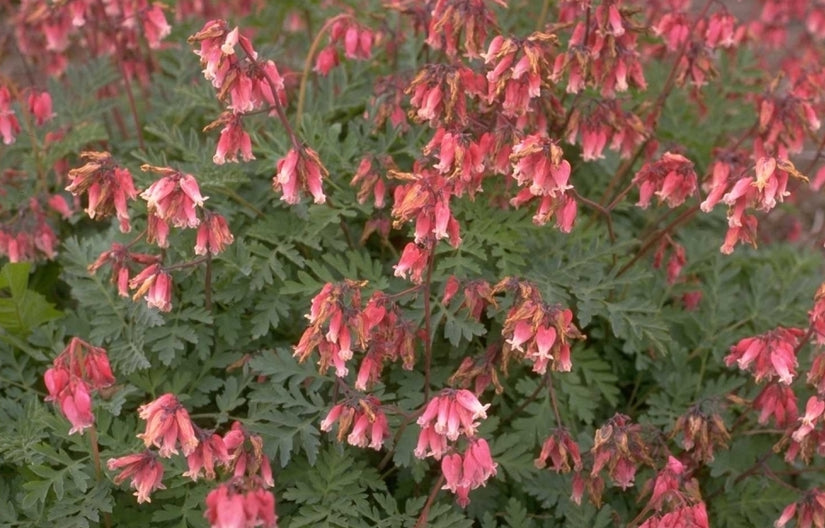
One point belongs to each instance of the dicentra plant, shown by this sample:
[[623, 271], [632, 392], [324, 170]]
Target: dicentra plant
[[412, 263]]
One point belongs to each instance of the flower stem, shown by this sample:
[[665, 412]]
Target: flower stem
[[425, 511], [302, 89], [95, 449]]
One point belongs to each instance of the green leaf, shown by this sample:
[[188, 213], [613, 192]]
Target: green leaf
[[24, 309]]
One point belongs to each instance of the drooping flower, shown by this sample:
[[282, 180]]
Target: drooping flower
[[536, 331], [155, 27], [619, 447], [300, 169], [560, 450], [361, 420], [76, 372], [240, 503], [155, 284], [538, 167], [109, 187], [701, 433], [452, 413], [671, 178], [120, 257], [234, 139], [769, 355], [809, 509], [213, 234], [246, 456], [9, 126], [173, 198], [469, 471], [145, 470], [40, 106], [167, 425], [211, 451], [778, 401]]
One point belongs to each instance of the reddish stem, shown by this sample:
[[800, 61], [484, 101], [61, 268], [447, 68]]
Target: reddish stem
[[425, 511]]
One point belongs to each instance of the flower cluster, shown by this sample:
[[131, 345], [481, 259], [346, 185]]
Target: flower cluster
[[468, 471], [244, 85], [361, 420], [769, 355], [356, 39], [76, 372], [701, 433], [169, 428], [762, 191], [145, 470], [426, 198], [671, 178], [439, 93], [108, 186], [447, 416], [558, 451], [808, 510], [618, 446], [338, 322], [29, 235], [605, 124], [602, 52], [154, 284], [119, 257], [172, 199], [777, 401], [539, 168], [517, 70], [449, 19], [536, 331], [241, 503], [672, 489], [300, 169]]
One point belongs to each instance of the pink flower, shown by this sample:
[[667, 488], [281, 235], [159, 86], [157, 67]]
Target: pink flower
[[813, 412], [468, 472], [173, 198], [413, 262], [155, 27], [155, 284], [211, 450], [40, 106], [167, 424], [233, 139], [144, 469], [300, 168], [452, 413], [78, 371], [230, 505], [365, 416], [108, 185], [9, 126], [777, 401], [76, 405], [247, 458], [213, 235], [769, 355], [120, 258], [559, 450], [810, 508], [326, 60], [672, 179]]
